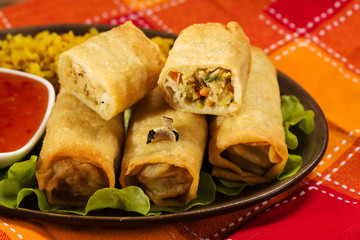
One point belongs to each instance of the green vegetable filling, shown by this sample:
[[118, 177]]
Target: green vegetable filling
[[209, 86]]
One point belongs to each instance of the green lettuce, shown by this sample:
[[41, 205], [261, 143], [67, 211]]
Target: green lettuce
[[292, 166], [20, 181], [229, 188], [294, 115]]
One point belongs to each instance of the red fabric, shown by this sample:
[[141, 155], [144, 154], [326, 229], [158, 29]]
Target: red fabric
[[304, 14], [313, 42], [309, 213], [136, 19], [4, 236]]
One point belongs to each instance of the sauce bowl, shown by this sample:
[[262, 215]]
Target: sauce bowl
[[26, 101]]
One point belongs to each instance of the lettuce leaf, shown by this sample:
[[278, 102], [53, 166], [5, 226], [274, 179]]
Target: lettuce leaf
[[20, 181], [292, 166], [294, 115], [230, 188], [19, 176]]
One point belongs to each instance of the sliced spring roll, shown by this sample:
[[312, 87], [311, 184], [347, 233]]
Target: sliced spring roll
[[207, 69], [250, 146], [113, 70], [80, 152], [164, 161]]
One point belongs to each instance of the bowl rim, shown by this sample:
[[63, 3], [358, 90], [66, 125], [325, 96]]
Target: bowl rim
[[8, 158]]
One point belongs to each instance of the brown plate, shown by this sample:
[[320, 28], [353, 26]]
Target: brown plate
[[312, 149]]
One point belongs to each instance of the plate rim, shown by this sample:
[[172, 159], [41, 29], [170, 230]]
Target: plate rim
[[192, 214]]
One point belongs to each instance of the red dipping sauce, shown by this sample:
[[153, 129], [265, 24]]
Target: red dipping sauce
[[23, 104]]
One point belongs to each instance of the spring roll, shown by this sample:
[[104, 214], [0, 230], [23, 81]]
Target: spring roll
[[113, 70], [207, 69], [250, 146], [164, 159], [80, 152]]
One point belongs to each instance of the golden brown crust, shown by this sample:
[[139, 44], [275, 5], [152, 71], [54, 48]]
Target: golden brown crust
[[209, 46], [113, 70], [186, 153], [77, 133], [259, 122]]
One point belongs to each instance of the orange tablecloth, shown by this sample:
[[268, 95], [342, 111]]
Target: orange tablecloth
[[316, 43]]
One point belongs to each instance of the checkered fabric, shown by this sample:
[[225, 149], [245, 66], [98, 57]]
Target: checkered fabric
[[316, 43]]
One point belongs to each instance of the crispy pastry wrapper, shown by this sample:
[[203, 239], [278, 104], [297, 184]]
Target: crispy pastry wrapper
[[167, 169], [202, 50], [80, 152], [113, 70], [250, 146]]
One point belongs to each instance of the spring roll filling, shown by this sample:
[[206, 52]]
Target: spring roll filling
[[76, 181], [251, 158], [165, 181], [203, 87], [92, 91]]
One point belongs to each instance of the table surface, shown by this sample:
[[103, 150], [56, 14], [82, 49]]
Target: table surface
[[313, 42]]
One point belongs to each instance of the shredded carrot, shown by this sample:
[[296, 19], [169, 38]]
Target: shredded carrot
[[177, 77], [208, 102], [204, 92]]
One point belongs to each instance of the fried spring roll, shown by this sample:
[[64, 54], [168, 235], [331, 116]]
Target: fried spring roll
[[207, 69], [250, 146], [112, 71], [80, 152], [164, 161]]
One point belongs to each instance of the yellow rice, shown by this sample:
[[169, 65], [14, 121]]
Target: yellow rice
[[164, 44], [39, 55]]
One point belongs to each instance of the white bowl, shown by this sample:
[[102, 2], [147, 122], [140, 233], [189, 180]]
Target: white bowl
[[8, 158]]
